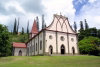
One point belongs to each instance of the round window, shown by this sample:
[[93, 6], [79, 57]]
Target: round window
[[72, 39], [62, 38], [50, 37]]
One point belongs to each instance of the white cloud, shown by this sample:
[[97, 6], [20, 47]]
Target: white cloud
[[15, 5], [57, 6], [4, 19], [91, 12], [92, 1]]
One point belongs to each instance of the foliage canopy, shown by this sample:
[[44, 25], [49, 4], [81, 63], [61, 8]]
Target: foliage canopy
[[89, 45], [5, 46]]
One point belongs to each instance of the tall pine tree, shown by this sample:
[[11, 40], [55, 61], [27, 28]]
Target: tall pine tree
[[75, 27], [18, 26], [81, 25], [43, 24], [37, 20], [86, 25], [22, 30], [28, 27], [15, 27]]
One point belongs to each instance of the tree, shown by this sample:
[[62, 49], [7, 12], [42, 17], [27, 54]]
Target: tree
[[11, 32], [81, 25], [98, 33], [86, 25], [45, 25], [18, 26], [87, 33], [75, 27], [28, 27], [89, 45], [81, 35], [22, 30], [93, 31], [22, 39], [5, 46], [15, 27], [37, 20], [43, 22]]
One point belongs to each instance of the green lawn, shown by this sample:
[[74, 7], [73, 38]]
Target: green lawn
[[50, 61]]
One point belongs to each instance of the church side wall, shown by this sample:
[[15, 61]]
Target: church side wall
[[41, 43], [36, 45], [32, 47]]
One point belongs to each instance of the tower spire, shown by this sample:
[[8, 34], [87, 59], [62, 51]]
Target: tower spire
[[34, 30]]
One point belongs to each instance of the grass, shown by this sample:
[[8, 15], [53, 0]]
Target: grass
[[50, 61]]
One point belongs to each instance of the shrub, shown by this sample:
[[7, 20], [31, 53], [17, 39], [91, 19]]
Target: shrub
[[89, 45]]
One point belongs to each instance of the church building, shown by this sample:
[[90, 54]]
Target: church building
[[57, 39]]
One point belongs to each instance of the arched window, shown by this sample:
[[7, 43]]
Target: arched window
[[36, 46], [20, 53], [40, 45]]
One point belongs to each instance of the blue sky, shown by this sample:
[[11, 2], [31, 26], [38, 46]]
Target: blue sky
[[78, 4], [28, 10]]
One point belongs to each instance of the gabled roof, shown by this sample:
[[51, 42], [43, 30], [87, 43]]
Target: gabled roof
[[19, 45], [60, 23], [34, 28]]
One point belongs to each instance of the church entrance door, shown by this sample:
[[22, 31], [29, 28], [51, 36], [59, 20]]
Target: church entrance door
[[50, 50], [62, 49], [73, 50]]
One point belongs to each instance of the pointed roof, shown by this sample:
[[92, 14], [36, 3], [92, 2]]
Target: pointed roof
[[34, 28]]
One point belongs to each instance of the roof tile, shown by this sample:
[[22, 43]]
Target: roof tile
[[34, 28], [19, 45]]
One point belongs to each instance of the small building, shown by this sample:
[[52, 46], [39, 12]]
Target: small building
[[19, 49]]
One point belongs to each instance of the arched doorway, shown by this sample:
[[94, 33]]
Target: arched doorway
[[73, 50], [50, 49], [20, 53], [62, 49]]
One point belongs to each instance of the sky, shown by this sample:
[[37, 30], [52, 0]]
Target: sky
[[28, 10]]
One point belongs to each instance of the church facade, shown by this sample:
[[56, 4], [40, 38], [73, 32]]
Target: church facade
[[58, 38]]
